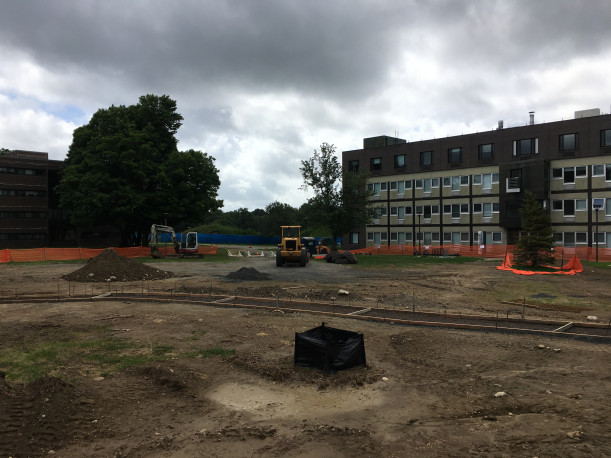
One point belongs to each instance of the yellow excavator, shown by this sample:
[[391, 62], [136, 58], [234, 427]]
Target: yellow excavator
[[188, 246], [291, 249]]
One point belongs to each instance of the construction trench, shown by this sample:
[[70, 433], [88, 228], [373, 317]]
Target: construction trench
[[513, 321]]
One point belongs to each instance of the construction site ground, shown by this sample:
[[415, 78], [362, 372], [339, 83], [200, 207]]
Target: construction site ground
[[225, 384]]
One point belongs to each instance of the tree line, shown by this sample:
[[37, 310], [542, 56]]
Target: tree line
[[123, 169]]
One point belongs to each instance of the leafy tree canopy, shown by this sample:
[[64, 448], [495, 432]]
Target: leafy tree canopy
[[124, 169], [536, 246], [341, 201]]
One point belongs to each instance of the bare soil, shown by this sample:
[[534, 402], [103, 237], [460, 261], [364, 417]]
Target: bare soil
[[425, 391]]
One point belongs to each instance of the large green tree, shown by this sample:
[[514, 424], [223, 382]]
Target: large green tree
[[535, 247], [341, 201], [124, 169], [278, 214]]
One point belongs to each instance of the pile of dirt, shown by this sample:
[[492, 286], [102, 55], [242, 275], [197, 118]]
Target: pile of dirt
[[247, 274], [109, 266]]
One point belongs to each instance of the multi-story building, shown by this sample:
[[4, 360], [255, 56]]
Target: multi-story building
[[26, 198], [468, 189]]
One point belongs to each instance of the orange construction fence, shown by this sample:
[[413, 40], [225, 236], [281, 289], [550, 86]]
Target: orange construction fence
[[570, 268], [66, 254], [562, 254]]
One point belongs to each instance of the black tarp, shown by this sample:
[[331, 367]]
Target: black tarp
[[329, 349]]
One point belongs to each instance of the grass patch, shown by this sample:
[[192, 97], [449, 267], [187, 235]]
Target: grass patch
[[599, 265], [104, 356], [381, 261]]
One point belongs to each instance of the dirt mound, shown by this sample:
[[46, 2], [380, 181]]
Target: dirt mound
[[247, 274], [109, 266]]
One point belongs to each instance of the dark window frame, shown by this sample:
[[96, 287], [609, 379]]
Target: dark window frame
[[424, 157], [455, 155], [375, 163], [562, 142], [485, 155]]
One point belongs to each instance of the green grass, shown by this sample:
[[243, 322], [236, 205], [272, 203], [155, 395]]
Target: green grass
[[104, 356], [599, 264], [392, 261]]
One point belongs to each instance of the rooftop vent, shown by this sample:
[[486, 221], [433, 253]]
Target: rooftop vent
[[532, 118], [587, 113]]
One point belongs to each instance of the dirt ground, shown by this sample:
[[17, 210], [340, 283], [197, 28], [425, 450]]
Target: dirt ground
[[424, 392]]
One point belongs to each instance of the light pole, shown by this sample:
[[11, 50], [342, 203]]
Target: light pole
[[597, 204]]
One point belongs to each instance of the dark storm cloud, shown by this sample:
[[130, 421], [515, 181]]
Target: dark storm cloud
[[325, 47], [262, 83]]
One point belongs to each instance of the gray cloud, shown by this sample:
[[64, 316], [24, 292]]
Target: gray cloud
[[261, 84]]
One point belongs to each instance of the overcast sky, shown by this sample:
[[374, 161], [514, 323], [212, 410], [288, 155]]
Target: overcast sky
[[262, 83]]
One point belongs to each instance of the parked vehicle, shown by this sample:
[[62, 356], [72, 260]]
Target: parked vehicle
[[188, 246]]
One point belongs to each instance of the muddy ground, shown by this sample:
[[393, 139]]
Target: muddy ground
[[424, 392]]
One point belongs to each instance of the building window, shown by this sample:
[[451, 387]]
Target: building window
[[400, 160], [485, 151], [400, 187], [569, 142], [426, 158], [497, 237], [370, 236], [408, 210], [435, 182], [526, 147], [477, 208], [408, 184], [22, 193], [605, 137], [419, 184], [608, 172], [393, 211], [454, 155], [477, 179], [354, 238], [569, 239], [581, 237], [456, 183], [401, 212], [487, 209], [375, 163], [353, 166], [393, 185], [569, 208], [22, 171], [447, 181], [598, 170], [427, 185], [581, 205]]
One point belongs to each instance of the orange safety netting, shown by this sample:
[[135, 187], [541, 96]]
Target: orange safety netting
[[487, 251], [67, 254], [570, 268]]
